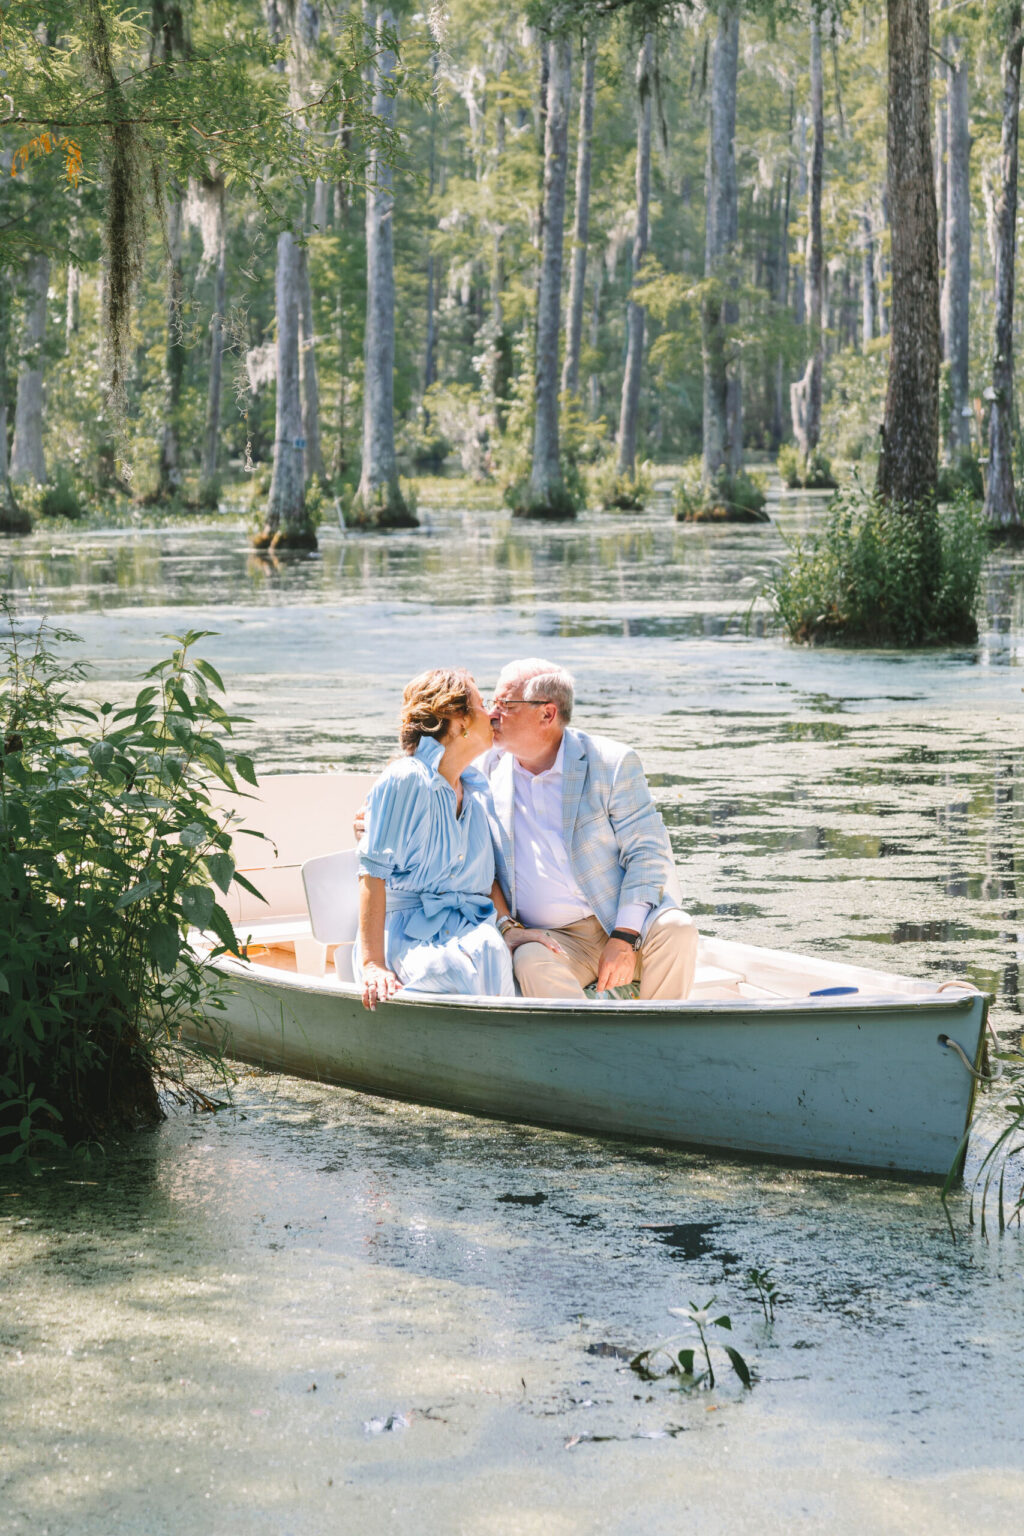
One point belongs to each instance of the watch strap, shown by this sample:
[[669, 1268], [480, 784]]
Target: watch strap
[[634, 940]]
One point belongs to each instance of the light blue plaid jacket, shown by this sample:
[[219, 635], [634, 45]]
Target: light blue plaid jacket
[[618, 845]]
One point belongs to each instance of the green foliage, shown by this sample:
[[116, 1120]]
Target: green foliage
[[731, 498], [112, 849], [963, 478], [766, 1291], [62, 498], [854, 402], [686, 1363], [613, 491], [812, 474], [1004, 1110], [876, 574]]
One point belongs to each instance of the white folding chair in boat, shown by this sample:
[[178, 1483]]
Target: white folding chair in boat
[[331, 884]]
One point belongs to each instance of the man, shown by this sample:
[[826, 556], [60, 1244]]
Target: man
[[588, 873]]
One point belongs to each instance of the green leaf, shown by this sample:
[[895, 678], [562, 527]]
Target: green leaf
[[197, 905], [244, 768], [137, 893], [4, 984], [722, 1322], [686, 1361], [209, 671], [193, 835], [220, 924], [247, 885], [222, 869], [739, 1365], [102, 755], [165, 945]]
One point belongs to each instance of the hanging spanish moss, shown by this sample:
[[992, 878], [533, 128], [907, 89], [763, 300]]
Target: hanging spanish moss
[[125, 231]]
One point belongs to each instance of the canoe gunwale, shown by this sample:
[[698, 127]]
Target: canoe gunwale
[[878, 1003]]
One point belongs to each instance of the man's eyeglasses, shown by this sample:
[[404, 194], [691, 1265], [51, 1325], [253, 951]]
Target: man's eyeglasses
[[504, 705]]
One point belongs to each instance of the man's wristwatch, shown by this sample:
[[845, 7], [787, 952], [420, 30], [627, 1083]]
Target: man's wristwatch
[[506, 922], [634, 940]]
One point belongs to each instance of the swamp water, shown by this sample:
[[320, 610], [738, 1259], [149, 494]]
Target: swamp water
[[326, 1312]]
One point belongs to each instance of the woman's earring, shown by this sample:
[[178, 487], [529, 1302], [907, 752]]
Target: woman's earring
[[465, 730]]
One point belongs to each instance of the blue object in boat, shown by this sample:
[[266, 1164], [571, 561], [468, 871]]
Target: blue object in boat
[[833, 991]]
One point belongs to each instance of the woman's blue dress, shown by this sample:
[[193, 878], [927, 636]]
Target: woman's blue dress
[[438, 869]]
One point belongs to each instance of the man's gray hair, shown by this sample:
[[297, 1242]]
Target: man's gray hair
[[540, 679]]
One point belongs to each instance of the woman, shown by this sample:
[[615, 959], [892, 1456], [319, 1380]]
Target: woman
[[426, 860]]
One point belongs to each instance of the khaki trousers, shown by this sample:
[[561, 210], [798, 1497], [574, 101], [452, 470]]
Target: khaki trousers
[[664, 966]]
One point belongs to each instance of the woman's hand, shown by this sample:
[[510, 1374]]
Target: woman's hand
[[516, 936], [378, 985]]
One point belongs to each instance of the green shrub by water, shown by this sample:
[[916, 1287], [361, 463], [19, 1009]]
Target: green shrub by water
[[111, 852], [812, 474], [732, 497], [875, 574], [617, 492]]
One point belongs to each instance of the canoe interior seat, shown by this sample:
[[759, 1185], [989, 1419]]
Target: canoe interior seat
[[711, 981], [331, 884]]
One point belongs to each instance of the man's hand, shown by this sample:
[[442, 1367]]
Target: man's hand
[[618, 965], [359, 824]]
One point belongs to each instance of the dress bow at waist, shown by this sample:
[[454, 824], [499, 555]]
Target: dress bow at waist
[[432, 909]]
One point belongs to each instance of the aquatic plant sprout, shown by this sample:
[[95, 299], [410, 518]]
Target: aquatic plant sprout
[[684, 1362]]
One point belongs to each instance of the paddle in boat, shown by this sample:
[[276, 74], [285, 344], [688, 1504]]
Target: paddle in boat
[[772, 1054]]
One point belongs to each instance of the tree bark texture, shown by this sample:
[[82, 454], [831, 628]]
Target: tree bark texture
[[12, 518], [867, 284], [379, 500], [581, 225], [908, 465], [215, 384], [636, 315], [547, 495], [27, 462], [719, 246], [1001, 507], [286, 522], [171, 477], [312, 454], [956, 289], [805, 394]]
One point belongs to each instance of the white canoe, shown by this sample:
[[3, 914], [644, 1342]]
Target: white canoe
[[751, 1062]]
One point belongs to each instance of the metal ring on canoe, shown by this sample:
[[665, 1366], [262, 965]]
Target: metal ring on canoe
[[982, 1077]]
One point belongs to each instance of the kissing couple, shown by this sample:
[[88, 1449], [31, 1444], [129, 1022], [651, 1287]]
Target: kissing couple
[[505, 850]]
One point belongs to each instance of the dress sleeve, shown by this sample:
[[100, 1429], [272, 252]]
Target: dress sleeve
[[396, 816]]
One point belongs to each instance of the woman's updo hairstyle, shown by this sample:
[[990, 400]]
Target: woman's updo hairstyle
[[430, 701]]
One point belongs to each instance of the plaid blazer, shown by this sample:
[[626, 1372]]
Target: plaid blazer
[[618, 846]]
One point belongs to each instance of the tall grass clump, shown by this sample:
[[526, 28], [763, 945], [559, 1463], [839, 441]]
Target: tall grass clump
[[876, 574], [111, 851]]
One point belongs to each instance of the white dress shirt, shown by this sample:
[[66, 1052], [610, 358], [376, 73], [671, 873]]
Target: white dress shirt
[[547, 895]]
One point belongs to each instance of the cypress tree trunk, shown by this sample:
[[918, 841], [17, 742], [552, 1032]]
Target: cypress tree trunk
[[378, 502], [546, 494], [594, 379], [211, 437], [1000, 496], [635, 313], [12, 518], [171, 477], [908, 465], [27, 462], [286, 525], [719, 247], [867, 285], [581, 226], [805, 394], [956, 290], [313, 454]]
